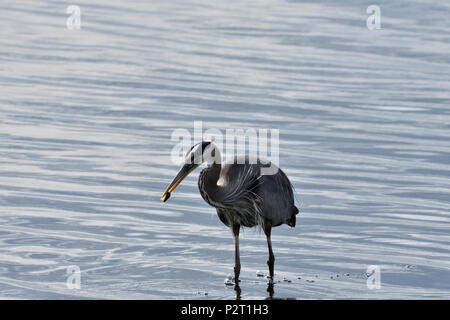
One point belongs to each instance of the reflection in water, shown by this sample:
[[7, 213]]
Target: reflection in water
[[270, 289], [237, 288]]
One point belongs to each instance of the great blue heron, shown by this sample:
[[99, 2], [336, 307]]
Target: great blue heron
[[240, 193]]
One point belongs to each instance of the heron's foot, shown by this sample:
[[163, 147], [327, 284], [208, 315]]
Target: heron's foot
[[230, 280], [237, 288]]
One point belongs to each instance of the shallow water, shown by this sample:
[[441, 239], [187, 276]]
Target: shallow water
[[86, 118]]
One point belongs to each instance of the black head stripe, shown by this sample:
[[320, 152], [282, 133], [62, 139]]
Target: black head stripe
[[204, 145]]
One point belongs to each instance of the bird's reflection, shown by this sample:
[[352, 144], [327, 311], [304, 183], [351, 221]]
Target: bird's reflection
[[270, 290], [237, 289]]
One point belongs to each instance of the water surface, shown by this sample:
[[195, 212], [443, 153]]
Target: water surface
[[86, 118]]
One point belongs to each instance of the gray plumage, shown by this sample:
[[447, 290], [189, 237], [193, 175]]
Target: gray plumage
[[246, 197], [241, 194]]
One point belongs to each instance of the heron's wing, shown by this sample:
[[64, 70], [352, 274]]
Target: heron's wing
[[239, 184], [264, 196], [241, 181], [278, 205]]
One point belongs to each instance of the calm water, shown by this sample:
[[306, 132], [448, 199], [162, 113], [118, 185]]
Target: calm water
[[86, 118]]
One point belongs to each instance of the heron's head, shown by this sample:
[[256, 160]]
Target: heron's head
[[204, 151]]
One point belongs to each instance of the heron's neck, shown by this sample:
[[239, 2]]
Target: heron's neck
[[208, 179], [209, 176]]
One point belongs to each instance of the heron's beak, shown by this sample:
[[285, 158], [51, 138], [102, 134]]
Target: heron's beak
[[183, 173]]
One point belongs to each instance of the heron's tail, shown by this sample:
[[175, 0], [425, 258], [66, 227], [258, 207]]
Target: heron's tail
[[292, 220]]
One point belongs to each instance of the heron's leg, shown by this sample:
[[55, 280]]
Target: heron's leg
[[237, 266], [270, 290], [271, 261]]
